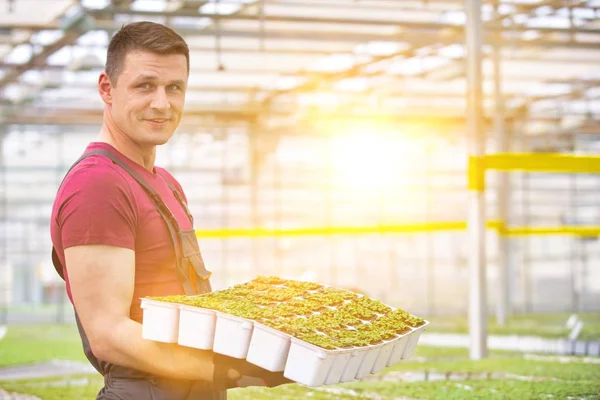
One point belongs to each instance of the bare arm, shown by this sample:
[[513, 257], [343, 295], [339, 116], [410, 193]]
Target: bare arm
[[102, 280]]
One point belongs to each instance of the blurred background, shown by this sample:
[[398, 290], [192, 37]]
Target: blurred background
[[319, 115], [326, 140]]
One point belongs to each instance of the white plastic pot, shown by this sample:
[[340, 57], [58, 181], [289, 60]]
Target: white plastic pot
[[308, 364], [340, 361], [413, 340], [356, 358], [367, 363], [232, 336], [197, 327], [160, 321], [398, 350], [384, 355], [268, 348]]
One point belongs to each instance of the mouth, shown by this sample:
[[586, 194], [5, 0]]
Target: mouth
[[157, 121]]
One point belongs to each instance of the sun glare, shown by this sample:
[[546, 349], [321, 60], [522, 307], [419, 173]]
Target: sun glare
[[372, 161]]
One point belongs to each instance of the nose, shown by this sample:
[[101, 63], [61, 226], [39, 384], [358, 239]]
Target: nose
[[160, 100]]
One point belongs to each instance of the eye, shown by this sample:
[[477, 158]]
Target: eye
[[144, 86], [173, 87]]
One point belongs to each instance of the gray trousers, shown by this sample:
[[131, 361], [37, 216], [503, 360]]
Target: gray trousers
[[126, 384]]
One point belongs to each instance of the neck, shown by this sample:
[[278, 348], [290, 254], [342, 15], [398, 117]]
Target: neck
[[143, 156]]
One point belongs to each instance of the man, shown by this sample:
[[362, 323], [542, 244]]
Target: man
[[121, 229]]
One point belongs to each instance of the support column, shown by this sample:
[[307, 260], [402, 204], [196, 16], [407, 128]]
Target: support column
[[4, 273], [254, 166], [476, 217], [430, 238], [502, 189], [225, 206]]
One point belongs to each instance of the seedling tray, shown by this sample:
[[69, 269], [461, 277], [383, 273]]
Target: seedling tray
[[287, 343]]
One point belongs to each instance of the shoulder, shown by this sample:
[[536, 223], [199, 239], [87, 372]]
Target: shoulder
[[97, 176], [96, 205]]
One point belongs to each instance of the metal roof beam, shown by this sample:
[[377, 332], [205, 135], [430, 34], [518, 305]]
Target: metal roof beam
[[416, 38], [435, 26], [40, 58]]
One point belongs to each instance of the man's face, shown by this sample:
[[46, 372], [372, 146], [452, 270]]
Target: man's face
[[149, 96]]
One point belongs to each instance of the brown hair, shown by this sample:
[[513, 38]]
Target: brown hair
[[142, 36]]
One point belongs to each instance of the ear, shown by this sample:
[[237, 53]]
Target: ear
[[105, 88]]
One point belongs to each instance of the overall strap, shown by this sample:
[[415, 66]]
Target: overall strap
[[162, 208], [178, 196]]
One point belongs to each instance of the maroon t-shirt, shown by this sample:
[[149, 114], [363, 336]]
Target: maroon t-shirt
[[100, 203]]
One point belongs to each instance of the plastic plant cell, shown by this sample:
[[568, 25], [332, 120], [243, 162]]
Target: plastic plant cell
[[268, 348], [398, 349], [356, 358], [337, 367], [232, 336], [383, 356], [160, 321], [308, 364], [413, 340], [367, 364], [197, 327]]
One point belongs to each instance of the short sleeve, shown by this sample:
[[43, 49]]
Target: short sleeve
[[98, 208]]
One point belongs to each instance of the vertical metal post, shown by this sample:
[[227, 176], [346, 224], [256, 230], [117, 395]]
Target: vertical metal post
[[224, 136], [387, 237], [279, 267], [573, 219], [4, 226], [476, 217], [254, 165], [502, 190], [583, 275], [527, 258], [573, 261], [430, 250], [329, 193], [577, 257]]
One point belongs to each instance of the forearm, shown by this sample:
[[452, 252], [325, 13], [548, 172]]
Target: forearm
[[123, 345]]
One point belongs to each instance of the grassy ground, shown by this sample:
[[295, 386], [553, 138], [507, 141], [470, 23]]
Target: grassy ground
[[545, 325], [40, 343], [505, 375], [31, 343], [515, 377]]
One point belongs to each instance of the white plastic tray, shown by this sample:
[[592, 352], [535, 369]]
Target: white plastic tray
[[160, 321], [232, 336], [197, 327], [269, 348]]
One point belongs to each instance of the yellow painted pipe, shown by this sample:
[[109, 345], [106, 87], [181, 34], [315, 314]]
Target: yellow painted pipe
[[528, 162], [446, 226], [538, 162]]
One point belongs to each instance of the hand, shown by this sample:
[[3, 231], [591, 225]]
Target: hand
[[232, 372], [233, 375]]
